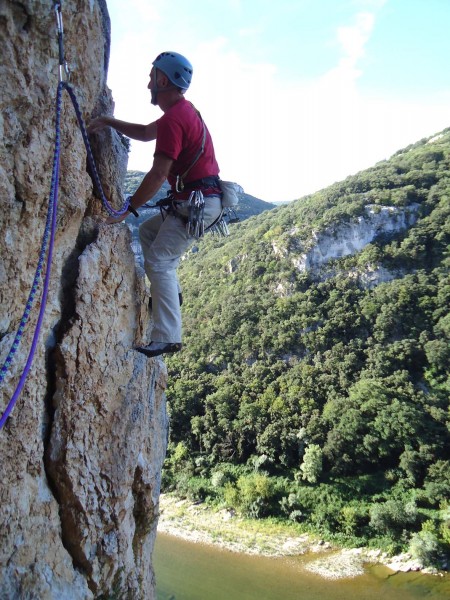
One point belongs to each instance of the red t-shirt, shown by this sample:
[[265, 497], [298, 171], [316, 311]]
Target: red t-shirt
[[179, 136]]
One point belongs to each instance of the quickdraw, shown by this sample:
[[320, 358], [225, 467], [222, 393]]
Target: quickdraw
[[195, 225]]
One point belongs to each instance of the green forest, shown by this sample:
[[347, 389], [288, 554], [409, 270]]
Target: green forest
[[319, 396]]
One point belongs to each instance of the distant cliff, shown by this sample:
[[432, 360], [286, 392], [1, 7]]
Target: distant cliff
[[83, 448], [348, 238]]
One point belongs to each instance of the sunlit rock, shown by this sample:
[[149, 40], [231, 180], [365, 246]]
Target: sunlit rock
[[83, 447]]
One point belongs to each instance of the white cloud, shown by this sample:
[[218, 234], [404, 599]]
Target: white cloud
[[353, 39], [278, 138]]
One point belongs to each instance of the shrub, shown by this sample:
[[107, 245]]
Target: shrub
[[437, 482], [193, 488], [177, 454], [231, 496], [319, 505], [392, 516], [311, 466], [296, 516], [325, 516], [251, 495], [352, 518], [426, 547], [289, 504], [219, 479]]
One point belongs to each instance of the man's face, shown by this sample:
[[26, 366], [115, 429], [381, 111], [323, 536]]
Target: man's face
[[152, 76], [153, 86], [157, 83]]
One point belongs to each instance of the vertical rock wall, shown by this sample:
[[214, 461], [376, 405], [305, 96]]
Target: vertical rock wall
[[81, 453]]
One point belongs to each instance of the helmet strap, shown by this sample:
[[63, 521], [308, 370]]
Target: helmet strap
[[154, 91]]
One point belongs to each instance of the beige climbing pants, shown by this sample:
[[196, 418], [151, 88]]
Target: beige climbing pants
[[163, 243]]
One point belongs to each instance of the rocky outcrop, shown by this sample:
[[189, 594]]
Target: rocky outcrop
[[348, 238], [83, 448]]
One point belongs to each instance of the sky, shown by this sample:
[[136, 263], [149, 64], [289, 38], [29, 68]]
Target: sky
[[297, 94]]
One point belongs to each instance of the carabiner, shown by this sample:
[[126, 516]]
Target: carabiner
[[63, 66], [179, 185]]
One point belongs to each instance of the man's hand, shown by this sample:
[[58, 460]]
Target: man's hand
[[112, 220], [98, 124]]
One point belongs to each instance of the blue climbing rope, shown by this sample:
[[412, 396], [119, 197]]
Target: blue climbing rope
[[49, 232], [98, 185], [48, 239]]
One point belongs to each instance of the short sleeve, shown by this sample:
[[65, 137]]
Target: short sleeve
[[169, 137]]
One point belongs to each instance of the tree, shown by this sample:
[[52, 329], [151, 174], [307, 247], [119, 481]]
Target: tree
[[312, 464]]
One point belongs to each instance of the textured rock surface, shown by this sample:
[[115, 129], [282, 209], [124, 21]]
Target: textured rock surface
[[83, 448], [350, 238], [346, 239]]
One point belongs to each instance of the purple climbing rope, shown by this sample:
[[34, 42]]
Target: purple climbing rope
[[98, 185], [48, 239], [49, 231]]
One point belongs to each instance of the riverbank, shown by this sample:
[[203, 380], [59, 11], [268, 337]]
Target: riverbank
[[202, 524]]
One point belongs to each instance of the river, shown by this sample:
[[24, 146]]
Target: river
[[191, 571]]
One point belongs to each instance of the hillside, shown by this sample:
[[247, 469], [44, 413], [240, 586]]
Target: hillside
[[314, 381]]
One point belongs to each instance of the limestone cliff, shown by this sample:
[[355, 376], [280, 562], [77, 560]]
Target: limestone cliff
[[347, 238], [83, 448]]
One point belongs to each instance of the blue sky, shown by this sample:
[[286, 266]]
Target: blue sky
[[297, 94]]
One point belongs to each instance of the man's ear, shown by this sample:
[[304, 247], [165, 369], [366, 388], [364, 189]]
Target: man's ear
[[164, 81]]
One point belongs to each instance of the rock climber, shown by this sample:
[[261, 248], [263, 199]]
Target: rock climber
[[184, 155]]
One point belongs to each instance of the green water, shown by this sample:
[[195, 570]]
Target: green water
[[188, 571]]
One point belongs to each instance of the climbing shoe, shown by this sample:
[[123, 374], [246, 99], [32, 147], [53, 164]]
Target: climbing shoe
[[157, 348], [180, 298]]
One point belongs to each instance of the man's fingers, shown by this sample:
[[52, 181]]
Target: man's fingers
[[95, 125], [112, 220]]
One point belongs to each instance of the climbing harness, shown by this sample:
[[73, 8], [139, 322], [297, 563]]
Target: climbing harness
[[195, 224], [48, 237], [194, 221]]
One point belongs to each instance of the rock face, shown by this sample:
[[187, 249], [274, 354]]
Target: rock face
[[347, 239], [83, 448], [350, 238]]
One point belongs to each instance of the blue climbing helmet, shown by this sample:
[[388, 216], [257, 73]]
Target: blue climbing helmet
[[177, 68]]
